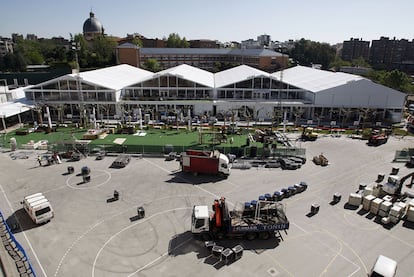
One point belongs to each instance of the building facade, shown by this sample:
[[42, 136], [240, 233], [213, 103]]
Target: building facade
[[205, 58], [392, 54], [354, 49]]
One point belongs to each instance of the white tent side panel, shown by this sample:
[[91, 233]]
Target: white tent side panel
[[362, 93]]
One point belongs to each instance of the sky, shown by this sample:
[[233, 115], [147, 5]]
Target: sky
[[224, 20]]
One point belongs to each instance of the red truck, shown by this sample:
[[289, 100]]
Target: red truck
[[205, 162]]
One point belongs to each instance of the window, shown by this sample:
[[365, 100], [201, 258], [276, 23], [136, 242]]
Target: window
[[199, 223], [42, 211]]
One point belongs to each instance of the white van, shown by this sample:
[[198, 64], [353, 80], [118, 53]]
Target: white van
[[38, 208]]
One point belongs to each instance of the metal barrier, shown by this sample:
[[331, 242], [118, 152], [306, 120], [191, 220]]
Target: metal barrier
[[15, 250]]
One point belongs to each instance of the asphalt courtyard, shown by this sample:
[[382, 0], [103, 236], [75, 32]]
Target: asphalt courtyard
[[91, 235]]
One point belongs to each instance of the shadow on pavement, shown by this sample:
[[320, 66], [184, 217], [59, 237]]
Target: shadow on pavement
[[184, 243], [186, 178], [20, 221]]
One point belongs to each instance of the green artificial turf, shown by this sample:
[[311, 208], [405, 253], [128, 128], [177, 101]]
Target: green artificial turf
[[153, 137]]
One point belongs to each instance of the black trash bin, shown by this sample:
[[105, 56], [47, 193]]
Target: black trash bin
[[140, 211], [116, 195], [315, 208], [238, 251], [70, 169]]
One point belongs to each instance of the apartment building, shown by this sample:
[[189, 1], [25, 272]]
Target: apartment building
[[354, 49]]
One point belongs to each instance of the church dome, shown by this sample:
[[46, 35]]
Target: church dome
[[92, 25]]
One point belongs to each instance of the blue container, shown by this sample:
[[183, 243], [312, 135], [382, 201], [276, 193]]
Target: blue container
[[253, 203], [262, 198], [247, 205], [268, 197]]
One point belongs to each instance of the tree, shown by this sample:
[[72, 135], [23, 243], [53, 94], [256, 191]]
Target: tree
[[137, 42], [394, 79], [174, 41], [152, 65], [308, 52], [360, 62], [102, 52], [337, 63]]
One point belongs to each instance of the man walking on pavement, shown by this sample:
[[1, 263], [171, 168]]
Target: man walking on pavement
[[39, 159]]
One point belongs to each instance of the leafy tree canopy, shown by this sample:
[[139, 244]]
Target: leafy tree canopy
[[308, 52], [175, 41], [137, 42], [393, 79], [152, 65]]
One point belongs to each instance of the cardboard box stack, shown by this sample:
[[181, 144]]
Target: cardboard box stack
[[375, 205], [366, 202], [355, 199], [396, 213], [385, 208]]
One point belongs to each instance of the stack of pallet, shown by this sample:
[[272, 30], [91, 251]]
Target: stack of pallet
[[375, 205], [355, 199], [372, 189], [367, 190], [385, 208], [366, 202], [396, 213]]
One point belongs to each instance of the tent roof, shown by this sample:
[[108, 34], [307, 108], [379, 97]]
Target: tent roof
[[19, 105], [237, 74], [314, 80], [114, 77], [190, 73]]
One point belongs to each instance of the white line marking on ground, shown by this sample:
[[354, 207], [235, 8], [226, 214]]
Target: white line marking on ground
[[155, 260], [128, 227], [24, 234], [341, 243], [96, 186], [102, 221], [57, 188], [73, 245]]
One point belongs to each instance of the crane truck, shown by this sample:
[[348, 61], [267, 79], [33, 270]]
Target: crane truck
[[205, 162], [262, 220]]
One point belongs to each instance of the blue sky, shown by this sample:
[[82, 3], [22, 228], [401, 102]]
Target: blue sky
[[226, 20]]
